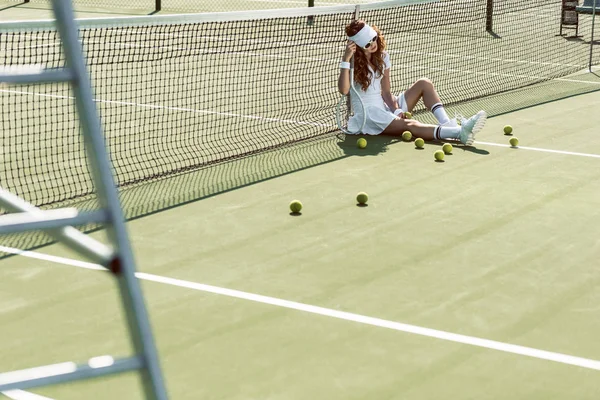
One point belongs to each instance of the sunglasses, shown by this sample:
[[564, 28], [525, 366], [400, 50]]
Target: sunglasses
[[371, 42]]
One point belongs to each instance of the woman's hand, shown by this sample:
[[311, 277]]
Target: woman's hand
[[350, 49], [399, 113]]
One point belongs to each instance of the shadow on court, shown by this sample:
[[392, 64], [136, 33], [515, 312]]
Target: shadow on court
[[457, 147], [375, 144], [380, 144]]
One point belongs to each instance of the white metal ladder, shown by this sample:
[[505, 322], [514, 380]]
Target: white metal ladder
[[117, 257]]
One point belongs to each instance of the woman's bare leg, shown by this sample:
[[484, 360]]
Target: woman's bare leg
[[423, 88], [399, 125]]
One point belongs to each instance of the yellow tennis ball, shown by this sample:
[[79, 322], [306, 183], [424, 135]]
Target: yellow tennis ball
[[439, 155], [406, 136], [407, 115], [508, 130], [296, 206], [361, 143], [362, 198], [420, 143], [447, 148], [514, 142]]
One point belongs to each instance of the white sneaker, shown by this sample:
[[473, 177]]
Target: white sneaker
[[453, 123], [469, 127]]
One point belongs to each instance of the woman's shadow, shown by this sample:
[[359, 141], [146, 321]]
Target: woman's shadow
[[377, 144]]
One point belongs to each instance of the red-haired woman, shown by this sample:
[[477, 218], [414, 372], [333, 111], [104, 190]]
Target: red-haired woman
[[384, 111]]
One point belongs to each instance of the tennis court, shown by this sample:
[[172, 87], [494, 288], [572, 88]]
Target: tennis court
[[470, 278], [495, 244]]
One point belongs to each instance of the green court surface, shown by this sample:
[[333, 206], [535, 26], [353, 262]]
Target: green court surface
[[495, 243]]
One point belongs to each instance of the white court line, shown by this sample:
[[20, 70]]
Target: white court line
[[23, 395], [54, 259], [193, 110], [570, 153], [347, 316]]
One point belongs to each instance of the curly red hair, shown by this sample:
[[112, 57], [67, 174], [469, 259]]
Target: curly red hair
[[362, 73]]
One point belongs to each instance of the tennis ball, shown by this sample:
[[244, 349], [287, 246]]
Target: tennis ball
[[439, 155], [407, 115], [361, 143], [406, 136], [514, 142], [362, 198], [295, 206], [447, 148], [420, 143], [508, 130]]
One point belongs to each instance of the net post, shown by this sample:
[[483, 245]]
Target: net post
[[592, 39], [311, 18], [489, 13], [157, 5]]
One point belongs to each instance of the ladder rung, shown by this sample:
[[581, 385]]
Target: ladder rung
[[67, 371], [49, 219], [23, 395], [81, 243], [43, 76]]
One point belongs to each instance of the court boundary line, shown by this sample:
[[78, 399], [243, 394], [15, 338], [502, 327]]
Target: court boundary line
[[178, 109], [560, 358], [564, 152]]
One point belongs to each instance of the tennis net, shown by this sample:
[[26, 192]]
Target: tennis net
[[177, 93]]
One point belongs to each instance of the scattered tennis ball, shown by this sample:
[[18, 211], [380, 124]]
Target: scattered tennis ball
[[420, 143], [439, 155], [406, 136], [514, 142], [447, 148], [508, 130], [362, 198], [296, 206], [361, 143], [407, 115]]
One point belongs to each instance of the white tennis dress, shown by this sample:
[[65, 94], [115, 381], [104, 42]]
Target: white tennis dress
[[378, 114]]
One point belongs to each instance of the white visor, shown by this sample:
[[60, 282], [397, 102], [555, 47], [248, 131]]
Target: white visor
[[364, 36]]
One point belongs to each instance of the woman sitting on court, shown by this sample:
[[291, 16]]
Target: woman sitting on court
[[385, 112]]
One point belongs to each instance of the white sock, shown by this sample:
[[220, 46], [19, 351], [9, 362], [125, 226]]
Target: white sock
[[438, 110], [446, 132]]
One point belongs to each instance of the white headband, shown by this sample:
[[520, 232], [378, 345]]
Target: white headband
[[364, 36]]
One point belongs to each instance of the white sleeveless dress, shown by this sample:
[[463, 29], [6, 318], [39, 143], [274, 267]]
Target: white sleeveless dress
[[378, 114]]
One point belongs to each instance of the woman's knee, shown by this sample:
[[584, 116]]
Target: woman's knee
[[425, 82]]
